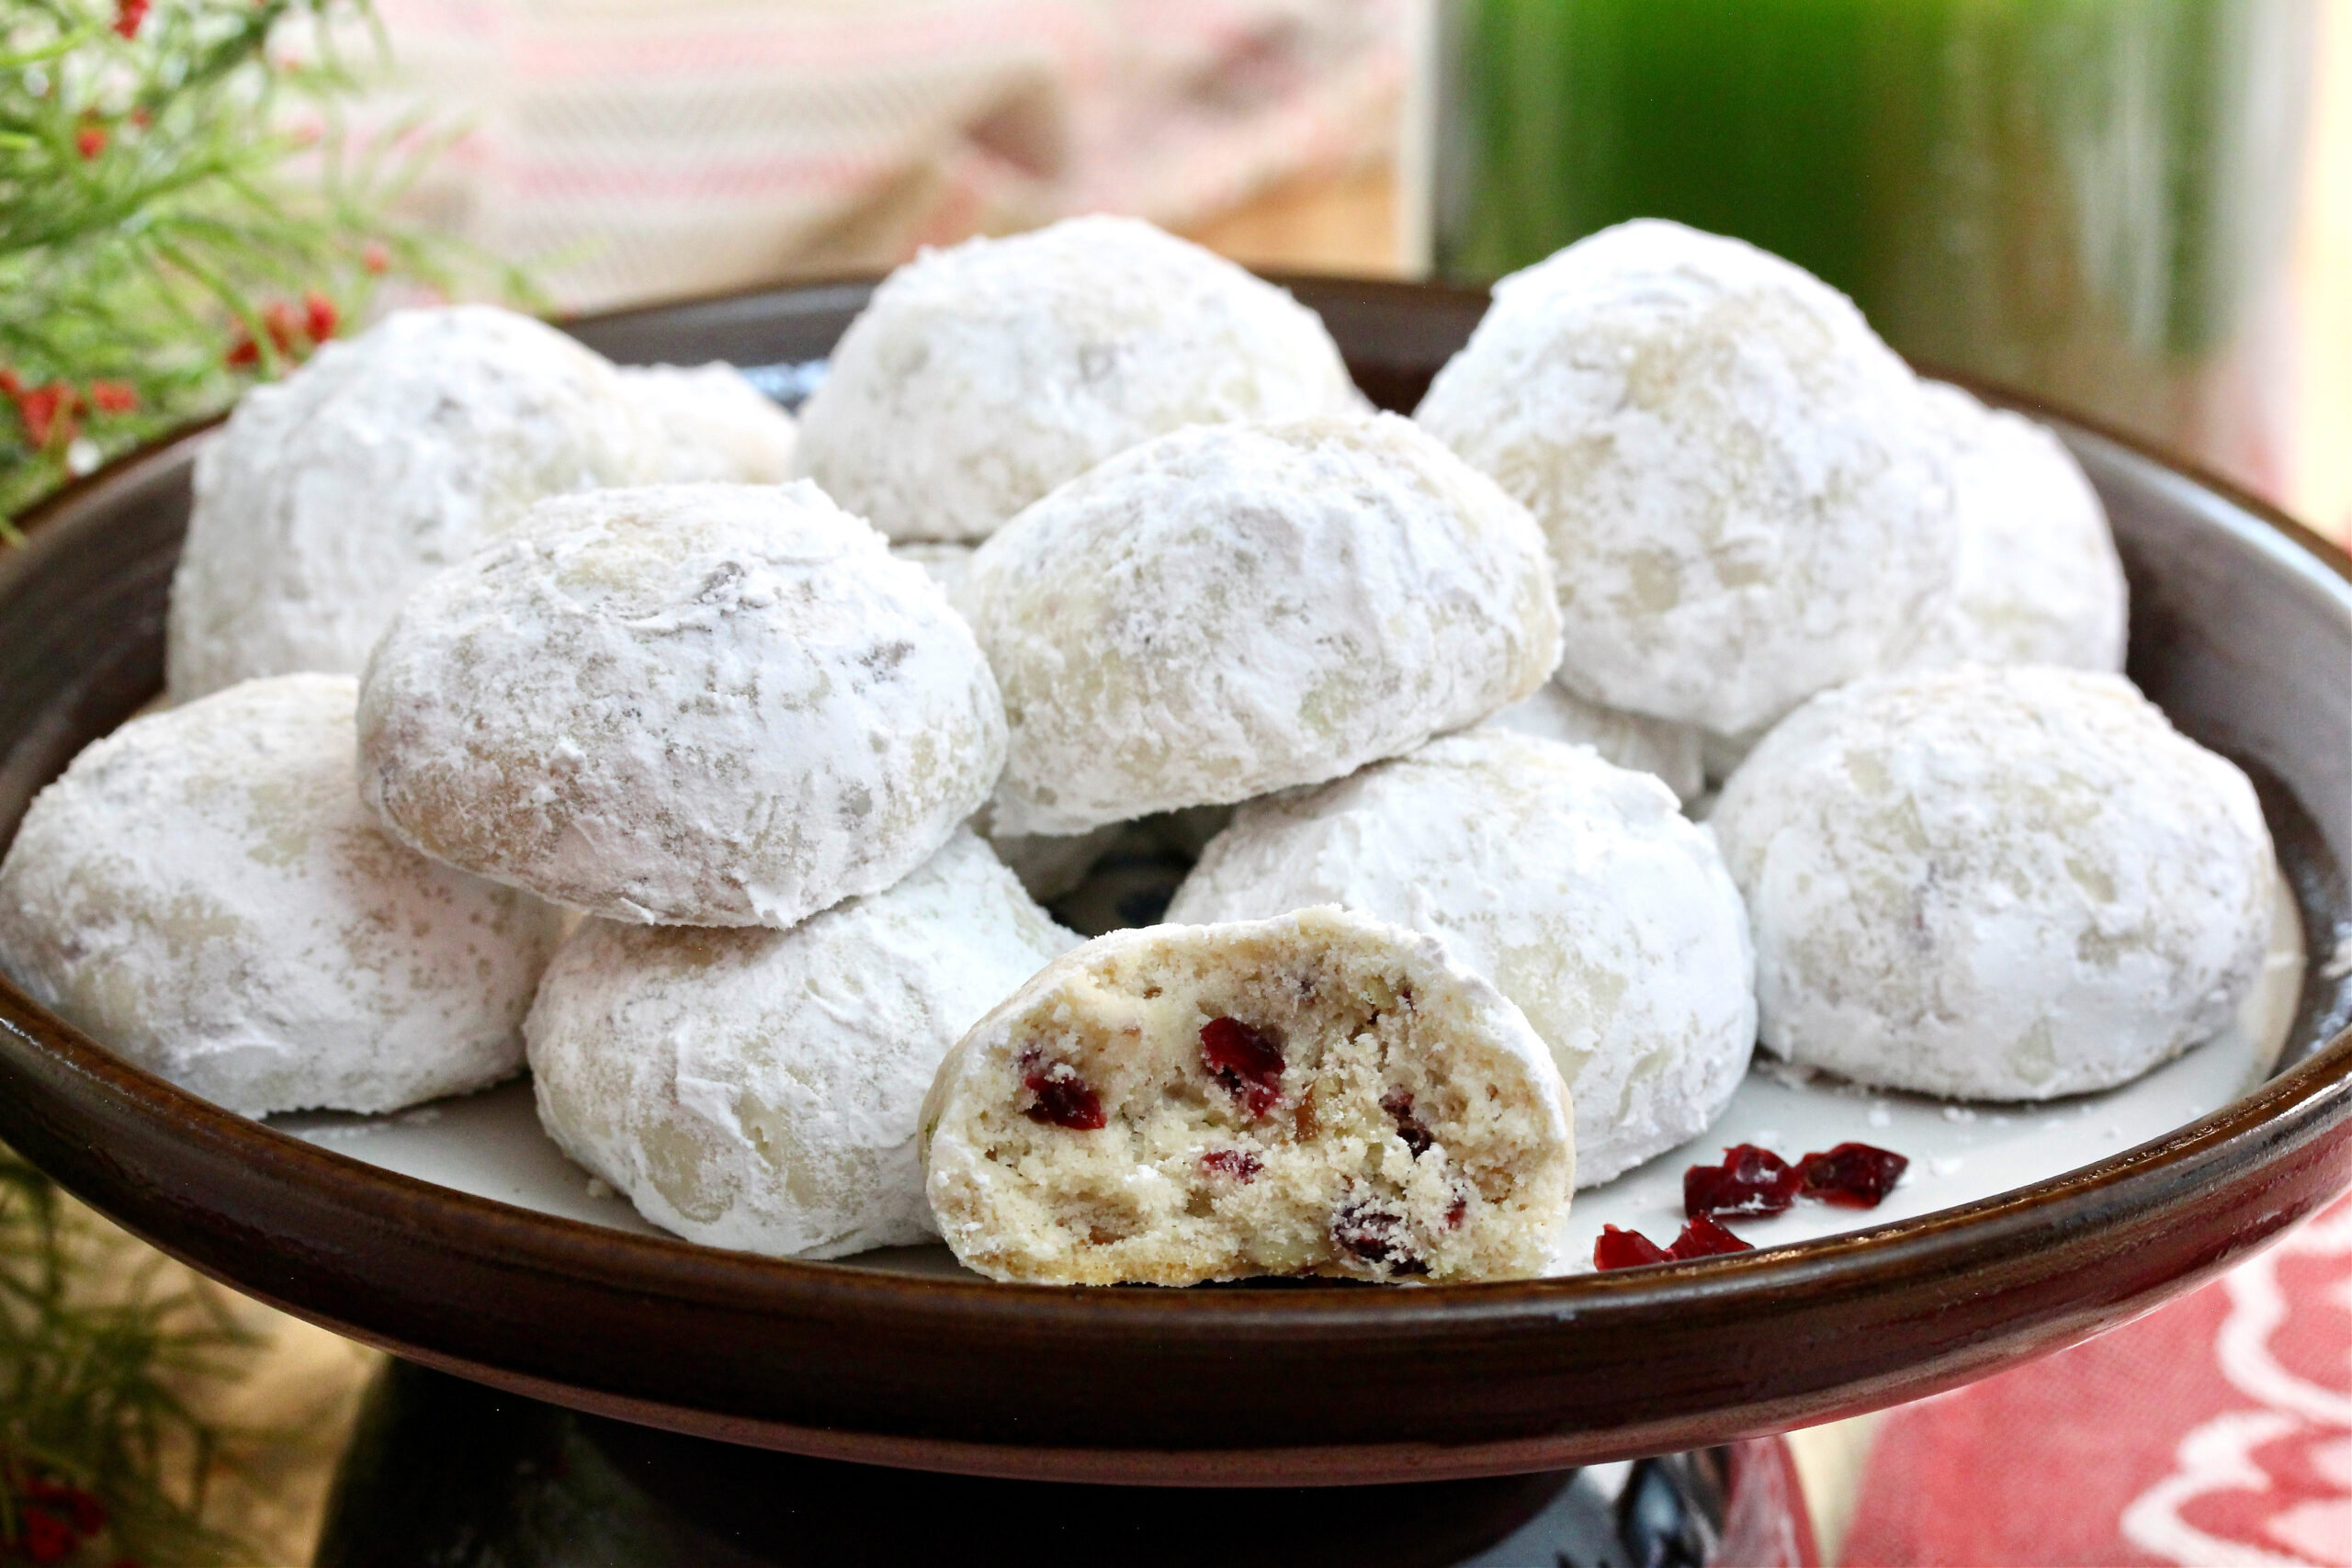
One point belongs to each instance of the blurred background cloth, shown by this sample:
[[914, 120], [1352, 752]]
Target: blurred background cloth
[[636, 152]]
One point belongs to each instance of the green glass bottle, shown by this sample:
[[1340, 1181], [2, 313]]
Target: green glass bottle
[[2092, 200]]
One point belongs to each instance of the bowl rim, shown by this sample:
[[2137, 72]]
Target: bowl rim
[[2294, 1105]]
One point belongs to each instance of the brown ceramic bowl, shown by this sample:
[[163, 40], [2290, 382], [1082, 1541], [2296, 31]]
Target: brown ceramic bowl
[[2242, 631]]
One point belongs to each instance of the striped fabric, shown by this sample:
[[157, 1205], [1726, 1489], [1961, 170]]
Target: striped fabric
[[633, 149]]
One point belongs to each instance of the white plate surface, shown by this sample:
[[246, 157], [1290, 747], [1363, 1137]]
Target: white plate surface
[[490, 1143]]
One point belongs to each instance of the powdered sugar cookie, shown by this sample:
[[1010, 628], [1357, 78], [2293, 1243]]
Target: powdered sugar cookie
[[1573, 885], [1319, 1094], [1747, 498], [1646, 745], [2005, 882], [203, 892], [758, 1089], [1238, 608], [690, 704], [714, 424], [2039, 581], [984, 375], [332, 493]]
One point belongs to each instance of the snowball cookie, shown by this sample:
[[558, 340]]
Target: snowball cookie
[[683, 705], [2039, 581], [203, 892], [332, 493], [1629, 739], [714, 424], [983, 375], [1319, 1094], [1573, 885], [1234, 609], [1745, 497], [1998, 882], [758, 1089]]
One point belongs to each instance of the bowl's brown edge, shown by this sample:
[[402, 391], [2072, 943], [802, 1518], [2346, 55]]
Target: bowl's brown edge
[[2299, 1110]]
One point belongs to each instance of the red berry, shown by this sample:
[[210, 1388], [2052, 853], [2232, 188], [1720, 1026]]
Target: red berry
[[375, 258], [1625, 1249], [43, 1537], [1246, 1062], [1399, 1105], [1238, 1164], [319, 317], [1751, 1180], [1704, 1238], [48, 412], [1059, 1095], [1852, 1175], [90, 141], [128, 15], [242, 353], [113, 397], [283, 324]]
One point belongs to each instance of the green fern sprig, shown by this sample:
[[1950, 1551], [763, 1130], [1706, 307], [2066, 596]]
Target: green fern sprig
[[183, 211]]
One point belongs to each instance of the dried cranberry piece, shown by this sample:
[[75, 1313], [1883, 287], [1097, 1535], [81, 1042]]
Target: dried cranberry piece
[[1376, 1234], [1246, 1061], [1625, 1249], [1751, 1180], [1062, 1097], [1704, 1238], [1400, 1104], [1852, 1175], [1238, 1164]]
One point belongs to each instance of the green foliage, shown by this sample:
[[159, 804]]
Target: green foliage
[[102, 1344], [182, 209]]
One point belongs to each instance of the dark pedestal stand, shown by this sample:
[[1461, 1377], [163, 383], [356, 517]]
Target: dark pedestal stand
[[444, 1473]]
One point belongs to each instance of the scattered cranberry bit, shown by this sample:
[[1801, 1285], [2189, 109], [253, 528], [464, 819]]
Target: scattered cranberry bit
[[1061, 1096], [1376, 1235], [1400, 1104], [1246, 1061], [1751, 1180], [1704, 1238], [1238, 1164], [1455, 1213], [128, 15], [1625, 1249], [113, 397], [1852, 1175], [90, 141], [1701, 1237]]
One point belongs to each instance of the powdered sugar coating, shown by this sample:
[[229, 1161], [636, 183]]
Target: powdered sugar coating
[[1412, 1126], [1574, 885], [758, 1089], [1234, 609], [714, 424], [2004, 883], [694, 705], [1635, 741], [2038, 581], [982, 375], [328, 496], [202, 891], [1746, 498]]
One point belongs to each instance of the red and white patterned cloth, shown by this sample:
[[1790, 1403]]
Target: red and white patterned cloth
[[635, 151], [2215, 1432]]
